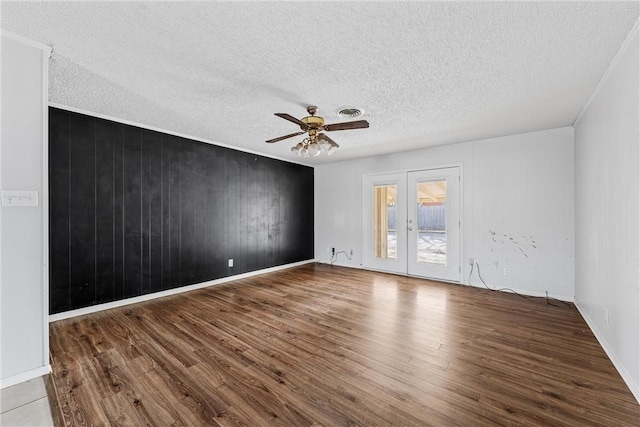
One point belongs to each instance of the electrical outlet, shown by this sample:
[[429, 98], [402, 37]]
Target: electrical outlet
[[350, 252], [506, 271], [230, 262], [333, 251], [471, 261]]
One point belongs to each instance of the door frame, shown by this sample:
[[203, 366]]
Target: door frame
[[366, 206]]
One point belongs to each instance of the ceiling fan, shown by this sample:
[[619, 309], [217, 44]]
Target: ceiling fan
[[316, 141]]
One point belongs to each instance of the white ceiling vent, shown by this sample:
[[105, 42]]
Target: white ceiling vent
[[350, 113]]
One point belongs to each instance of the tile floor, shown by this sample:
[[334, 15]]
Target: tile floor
[[25, 404]]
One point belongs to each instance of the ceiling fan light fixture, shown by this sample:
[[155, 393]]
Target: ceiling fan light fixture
[[314, 149]]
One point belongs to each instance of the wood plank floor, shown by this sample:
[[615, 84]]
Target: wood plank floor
[[328, 346]]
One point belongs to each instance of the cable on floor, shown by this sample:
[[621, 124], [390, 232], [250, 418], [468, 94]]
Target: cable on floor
[[498, 289], [548, 298], [568, 304]]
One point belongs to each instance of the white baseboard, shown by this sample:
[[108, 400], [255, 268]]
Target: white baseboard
[[622, 370], [524, 292], [174, 291], [25, 376], [340, 264]]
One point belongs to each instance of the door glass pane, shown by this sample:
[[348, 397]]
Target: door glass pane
[[384, 221], [431, 222]]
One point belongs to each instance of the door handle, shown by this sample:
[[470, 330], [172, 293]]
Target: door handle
[[410, 228]]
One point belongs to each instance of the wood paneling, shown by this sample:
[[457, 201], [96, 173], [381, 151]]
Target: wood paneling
[[135, 211], [132, 201], [59, 279], [104, 193], [118, 215], [321, 345], [82, 211]]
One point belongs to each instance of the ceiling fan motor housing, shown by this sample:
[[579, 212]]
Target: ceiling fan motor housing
[[313, 121]]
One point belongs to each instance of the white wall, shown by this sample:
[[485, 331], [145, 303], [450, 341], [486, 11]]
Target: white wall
[[518, 187], [23, 284], [607, 178]]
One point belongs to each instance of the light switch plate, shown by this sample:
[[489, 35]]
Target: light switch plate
[[17, 198]]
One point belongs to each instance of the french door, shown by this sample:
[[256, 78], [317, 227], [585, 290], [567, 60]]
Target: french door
[[412, 223], [385, 233]]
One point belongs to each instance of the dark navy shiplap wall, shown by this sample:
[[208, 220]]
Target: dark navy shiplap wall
[[134, 211]]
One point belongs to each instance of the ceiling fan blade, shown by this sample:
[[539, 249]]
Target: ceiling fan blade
[[329, 140], [358, 124], [291, 135], [289, 117]]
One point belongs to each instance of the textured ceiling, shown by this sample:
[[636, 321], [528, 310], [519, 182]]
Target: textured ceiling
[[426, 73]]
